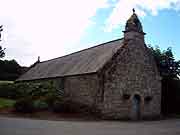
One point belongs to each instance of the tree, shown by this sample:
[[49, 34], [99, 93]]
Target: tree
[[168, 67], [169, 70], [9, 70], [2, 53]]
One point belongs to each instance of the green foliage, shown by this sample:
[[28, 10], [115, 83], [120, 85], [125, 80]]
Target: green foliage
[[4, 103], [2, 53], [38, 90], [13, 91], [37, 96], [59, 106], [170, 96], [169, 70], [66, 105], [40, 95], [24, 105], [51, 97], [10, 70], [7, 90], [35, 90], [43, 89], [40, 105], [167, 65]]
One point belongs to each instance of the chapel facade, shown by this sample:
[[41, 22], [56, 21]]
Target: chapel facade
[[119, 78]]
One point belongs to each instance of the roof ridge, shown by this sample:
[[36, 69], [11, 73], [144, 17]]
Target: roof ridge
[[76, 63], [81, 50]]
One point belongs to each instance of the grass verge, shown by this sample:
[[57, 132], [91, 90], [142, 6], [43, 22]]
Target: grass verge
[[6, 82], [6, 103]]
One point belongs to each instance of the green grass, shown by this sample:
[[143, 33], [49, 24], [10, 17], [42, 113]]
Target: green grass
[[3, 82], [4, 103]]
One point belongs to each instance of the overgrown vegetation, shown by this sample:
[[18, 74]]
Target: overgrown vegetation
[[38, 96], [24, 105], [13, 91], [10, 70], [168, 67], [169, 70], [29, 96], [2, 53]]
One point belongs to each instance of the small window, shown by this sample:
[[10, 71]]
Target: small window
[[126, 96], [148, 99]]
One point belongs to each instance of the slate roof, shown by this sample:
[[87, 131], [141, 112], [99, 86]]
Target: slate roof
[[82, 62]]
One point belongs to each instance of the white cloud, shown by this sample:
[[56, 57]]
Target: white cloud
[[123, 9], [44, 27], [51, 28]]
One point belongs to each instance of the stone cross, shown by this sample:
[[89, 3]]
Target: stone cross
[[133, 10]]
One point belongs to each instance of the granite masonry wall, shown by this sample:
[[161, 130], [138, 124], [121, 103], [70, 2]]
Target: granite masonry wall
[[132, 71]]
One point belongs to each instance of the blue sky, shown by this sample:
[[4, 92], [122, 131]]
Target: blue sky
[[161, 30], [52, 28]]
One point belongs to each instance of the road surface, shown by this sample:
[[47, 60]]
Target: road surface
[[20, 126]]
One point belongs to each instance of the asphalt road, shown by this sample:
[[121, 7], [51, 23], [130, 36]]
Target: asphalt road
[[17, 126]]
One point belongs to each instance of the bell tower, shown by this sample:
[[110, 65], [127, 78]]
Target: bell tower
[[133, 28]]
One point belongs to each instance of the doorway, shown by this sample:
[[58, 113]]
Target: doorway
[[136, 107]]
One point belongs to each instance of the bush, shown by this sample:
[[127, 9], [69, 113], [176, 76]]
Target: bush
[[40, 105], [65, 106], [170, 96], [69, 106], [21, 90], [50, 99], [58, 106], [14, 91], [6, 90], [24, 105]]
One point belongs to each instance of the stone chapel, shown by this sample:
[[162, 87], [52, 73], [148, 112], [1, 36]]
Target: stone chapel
[[120, 77]]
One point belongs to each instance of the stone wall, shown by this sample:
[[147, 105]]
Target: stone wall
[[131, 71], [82, 88]]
